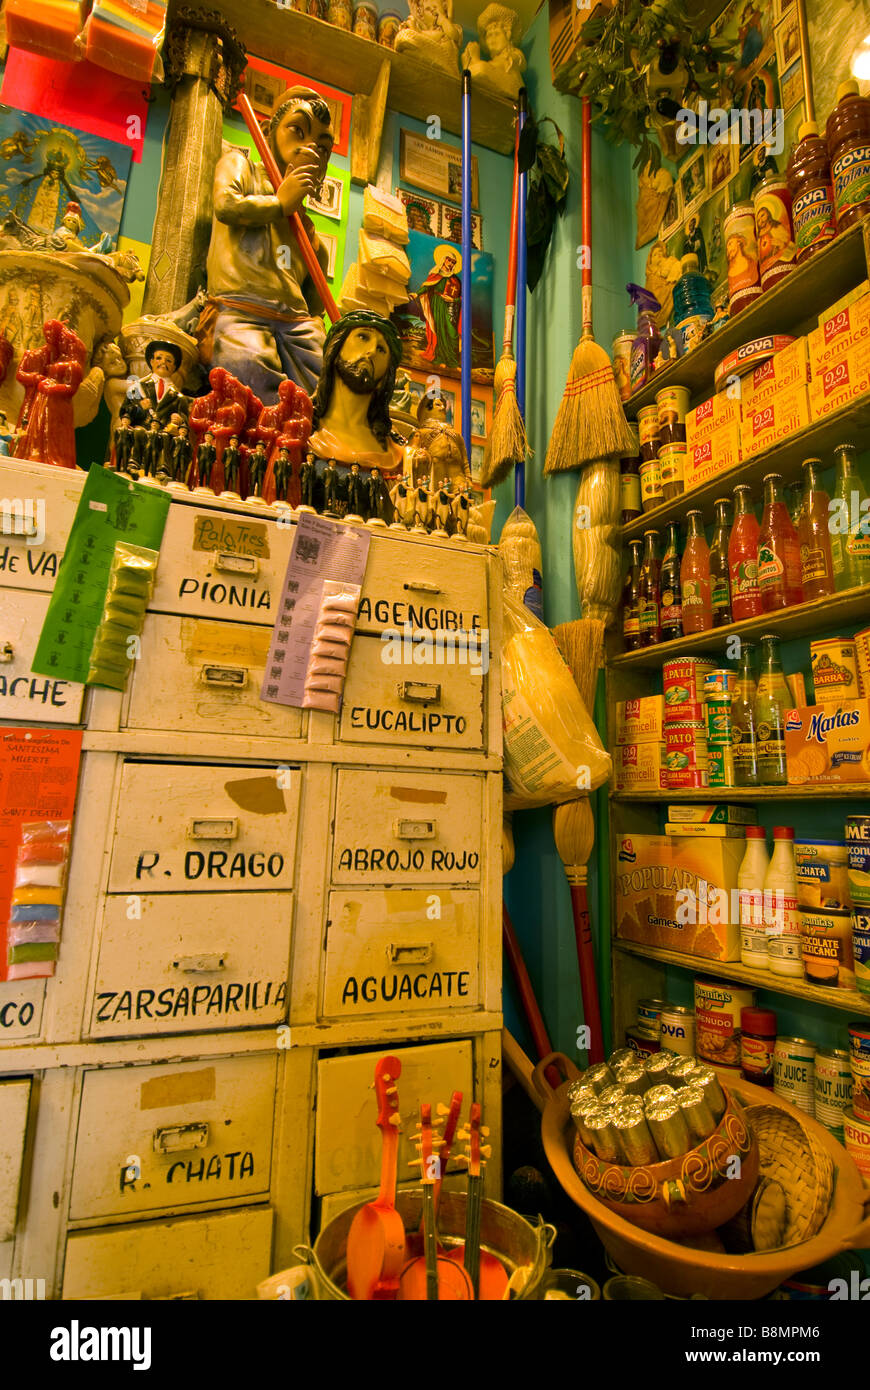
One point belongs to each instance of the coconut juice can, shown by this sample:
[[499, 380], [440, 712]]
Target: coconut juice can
[[794, 1072]]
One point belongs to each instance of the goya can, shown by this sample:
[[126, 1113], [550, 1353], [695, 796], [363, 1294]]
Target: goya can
[[648, 1015], [683, 684], [861, 947], [678, 1030], [794, 1072], [856, 1139], [859, 1051], [832, 1088], [741, 255], [717, 1021]]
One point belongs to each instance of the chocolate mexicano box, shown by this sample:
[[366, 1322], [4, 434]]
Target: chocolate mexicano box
[[680, 894]]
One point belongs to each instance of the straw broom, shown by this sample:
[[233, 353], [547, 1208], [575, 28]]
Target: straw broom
[[507, 442], [582, 645], [591, 421]]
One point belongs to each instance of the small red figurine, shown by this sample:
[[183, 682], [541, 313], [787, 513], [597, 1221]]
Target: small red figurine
[[286, 425], [51, 376], [222, 413]]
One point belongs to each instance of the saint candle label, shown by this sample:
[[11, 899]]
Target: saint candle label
[[405, 988], [191, 1001], [214, 864], [375, 859], [40, 564], [233, 536]]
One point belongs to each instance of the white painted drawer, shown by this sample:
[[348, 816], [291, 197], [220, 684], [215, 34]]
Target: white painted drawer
[[173, 963], [221, 1256], [21, 1004], [398, 951], [14, 1102], [423, 583], [347, 1143], [417, 827], [221, 564], [204, 828], [194, 1131], [25, 696], [37, 507], [199, 676], [417, 706]]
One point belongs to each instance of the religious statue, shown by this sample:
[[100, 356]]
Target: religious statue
[[285, 425], [356, 493], [224, 412], [156, 396], [438, 450], [232, 464], [262, 304], [206, 456], [51, 376], [351, 408], [308, 482], [500, 30], [431, 34], [422, 505], [443, 507], [432, 409]]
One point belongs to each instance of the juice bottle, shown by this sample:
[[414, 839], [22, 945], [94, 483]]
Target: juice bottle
[[695, 578], [669, 584], [720, 588], [629, 489], [750, 889], [743, 558], [630, 614], [648, 592], [744, 740], [817, 569], [782, 918], [779, 556], [772, 699], [850, 522], [812, 192], [848, 139]]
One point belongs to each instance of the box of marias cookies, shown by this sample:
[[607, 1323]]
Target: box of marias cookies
[[828, 743]]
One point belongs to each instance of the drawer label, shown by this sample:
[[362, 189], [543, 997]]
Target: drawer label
[[231, 534], [41, 563], [185, 1170], [214, 864], [389, 989], [410, 721], [39, 689], [370, 860], [191, 1001], [230, 595], [395, 613]]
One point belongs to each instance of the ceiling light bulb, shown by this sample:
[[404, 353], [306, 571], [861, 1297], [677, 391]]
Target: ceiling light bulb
[[860, 64]]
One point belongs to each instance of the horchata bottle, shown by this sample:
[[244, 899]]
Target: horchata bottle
[[744, 739], [850, 522], [772, 699], [750, 888], [782, 917]]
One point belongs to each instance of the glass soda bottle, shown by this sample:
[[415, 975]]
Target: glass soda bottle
[[779, 557], [772, 699], [849, 522], [630, 614], [695, 578], [817, 569], [744, 739], [720, 588], [671, 605], [648, 592], [743, 558]]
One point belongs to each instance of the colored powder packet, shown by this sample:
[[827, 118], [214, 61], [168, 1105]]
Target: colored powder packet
[[45, 950], [25, 933], [41, 896], [39, 875], [34, 912], [31, 970]]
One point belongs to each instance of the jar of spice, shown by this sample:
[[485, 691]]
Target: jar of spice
[[758, 1037]]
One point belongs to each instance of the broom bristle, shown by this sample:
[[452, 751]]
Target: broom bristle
[[574, 831], [591, 422], [507, 443], [582, 645]]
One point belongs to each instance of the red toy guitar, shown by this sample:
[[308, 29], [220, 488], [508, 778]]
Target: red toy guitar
[[431, 1276], [376, 1240], [488, 1276]]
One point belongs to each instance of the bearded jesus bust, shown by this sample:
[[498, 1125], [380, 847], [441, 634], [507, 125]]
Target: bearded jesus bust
[[351, 415]]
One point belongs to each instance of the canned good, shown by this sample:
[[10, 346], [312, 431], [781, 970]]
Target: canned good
[[721, 766], [861, 948], [621, 354], [835, 670], [832, 1088], [858, 848], [696, 1112], [667, 1125], [641, 1042], [794, 1072], [389, 23], [719, 682], [683, 684], [672, 466], [340, 13], [741, 255], [678, 1030], [672, 404], [859, 1048], [776, 248], [862, 657], [822, 872], [826, 948], [686, 747], [634, 1136], [856, 1139], [648, 432], [718, 720], [651, 494], [717, 1021], [365, 20], [649, 1013], [745, 358]]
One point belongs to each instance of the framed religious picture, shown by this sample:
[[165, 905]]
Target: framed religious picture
[[423, 214], [788, 41], [791, 86], [476, 463], [264, 82], [693, 181], [481, 417], [435, 166], [331, 199], [451, 226], [673, 213], [412, 385], [721, 164], [428, 324]]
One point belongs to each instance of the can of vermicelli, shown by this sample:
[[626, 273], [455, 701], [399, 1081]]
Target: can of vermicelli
[[678, 1030], [833, 1088], [794, 1072]]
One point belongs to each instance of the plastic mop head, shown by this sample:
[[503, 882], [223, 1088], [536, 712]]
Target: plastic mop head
[[591, 422]]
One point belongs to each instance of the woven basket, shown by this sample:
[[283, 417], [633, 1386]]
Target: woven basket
[[792, 1156]]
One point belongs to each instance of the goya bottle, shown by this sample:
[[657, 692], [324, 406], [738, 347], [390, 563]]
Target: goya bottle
[[817, 569], [743, 558], [812, 192], [630, 596], [669, 586], [720, 588], [779, 558], [695, 578], [744, 740], [772, 699], [648, 592], [848, 137]]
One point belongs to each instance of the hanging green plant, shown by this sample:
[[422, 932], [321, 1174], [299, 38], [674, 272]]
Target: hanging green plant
[[547, 171], [639, 64]]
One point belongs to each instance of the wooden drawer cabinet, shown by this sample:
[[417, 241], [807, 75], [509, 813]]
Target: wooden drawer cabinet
[[163, 1136], [220, 1256], [188, 964], [25, 697], [407, 827], [37, 507], [400, 950], [426, 584], [220, 564], [204, 828], [414, 706], [14, 1104]]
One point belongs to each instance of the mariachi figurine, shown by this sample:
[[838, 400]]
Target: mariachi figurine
[[443, 505], [404, 501], [257, 470], [232, 464], [351, 409], [356, 493], [308, 482], [331, 489], [206, 455], [461, 509], [281, 473]]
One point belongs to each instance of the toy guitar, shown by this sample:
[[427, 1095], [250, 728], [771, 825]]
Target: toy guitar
[[414, 1239], [487, 1274], [376, 1240], [431, 1276]]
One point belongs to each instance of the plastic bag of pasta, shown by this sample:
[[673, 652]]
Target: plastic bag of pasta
[[552, 751]]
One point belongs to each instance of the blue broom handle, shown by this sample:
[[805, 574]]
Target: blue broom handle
[[465, 277], [522, 258]]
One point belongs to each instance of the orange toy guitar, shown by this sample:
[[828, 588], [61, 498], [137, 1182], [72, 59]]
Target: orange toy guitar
[[488, 1276], [432, 1276], [376, 1240], [414, 1239]]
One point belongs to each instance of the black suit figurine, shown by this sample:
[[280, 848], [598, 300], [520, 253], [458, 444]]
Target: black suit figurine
[[124, 442], [206, 457], [232, 464], [356, 492], [152, 458], [308, 480], [181, 455], [257, 470], [157, 397], [331, 489], [281, 474]]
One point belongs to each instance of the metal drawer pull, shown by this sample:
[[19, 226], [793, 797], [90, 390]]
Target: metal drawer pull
[[201, 965], [234, 677], [176, 1139], [7, 652], [419, 692], [410, 955], [420, 586], [230, 563], [414, 829], [226, 829]]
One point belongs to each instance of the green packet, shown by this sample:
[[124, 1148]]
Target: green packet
[[111, 509]]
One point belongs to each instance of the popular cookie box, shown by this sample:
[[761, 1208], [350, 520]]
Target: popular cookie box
[[679, 894], [827, 743]]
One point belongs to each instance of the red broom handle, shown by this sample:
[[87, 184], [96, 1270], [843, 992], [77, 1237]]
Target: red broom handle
[[315, 270], [511, 296], [534, 1017], [586, 223], [586, 963]]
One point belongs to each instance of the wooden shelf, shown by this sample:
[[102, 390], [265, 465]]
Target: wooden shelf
[[809, 791], [851, 425], [311, 46], [799, 297], [843, 609], [849, 1000]]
